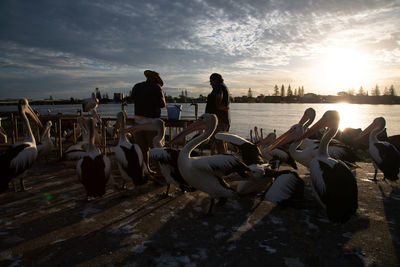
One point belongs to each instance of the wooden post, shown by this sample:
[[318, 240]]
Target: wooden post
[[13, 129], [60, 138], [74, 131], [170, 135], [16, 128], [104, 137]]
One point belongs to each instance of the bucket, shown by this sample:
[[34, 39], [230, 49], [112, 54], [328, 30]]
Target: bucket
[[174, 111]]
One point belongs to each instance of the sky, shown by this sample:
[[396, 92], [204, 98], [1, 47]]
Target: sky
[[66, 49]]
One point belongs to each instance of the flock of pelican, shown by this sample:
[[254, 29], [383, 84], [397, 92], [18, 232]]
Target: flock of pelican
[[256, 164]]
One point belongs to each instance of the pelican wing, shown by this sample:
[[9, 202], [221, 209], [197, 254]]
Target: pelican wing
[[341, 194], [249, 152], [390, 163], [287, 185], [222, 164], [231, 138], [24, 156], [164, 155]]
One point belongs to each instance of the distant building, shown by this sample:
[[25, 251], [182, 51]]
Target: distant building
[[310, 98], [118, 97]]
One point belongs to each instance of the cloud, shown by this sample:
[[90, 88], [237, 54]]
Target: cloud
[[69, 47]]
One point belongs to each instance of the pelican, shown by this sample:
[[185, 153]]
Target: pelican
[[78, 150], [333, 183], [310, 150], [129, 156], [287, 185], [205, 173], [20, 156], [385, 156], [251, 156], [89, 104], [165, 156], [3, 135], [94, 169], [45, 146]]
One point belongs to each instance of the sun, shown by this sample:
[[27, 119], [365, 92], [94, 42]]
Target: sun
[[342, 69]]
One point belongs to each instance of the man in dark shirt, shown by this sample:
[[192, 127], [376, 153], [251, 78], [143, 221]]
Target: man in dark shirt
[[149, 98], [218, 104]]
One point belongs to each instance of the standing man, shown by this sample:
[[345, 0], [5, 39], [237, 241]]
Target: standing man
[[218, 104], [149, 98]]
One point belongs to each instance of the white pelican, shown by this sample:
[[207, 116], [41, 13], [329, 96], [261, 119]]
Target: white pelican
[[310, 150], [78, 150], [165, 156], [45, 146], [20, 156], [385, 156], [251, 156], [205, 173], [129, 156], [3, 135], [287, 185], [94, 169], [334, 185], [89, 104]]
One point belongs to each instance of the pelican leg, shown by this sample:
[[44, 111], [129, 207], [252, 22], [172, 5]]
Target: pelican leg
[[22, 186], [166, 193], [376, 172]]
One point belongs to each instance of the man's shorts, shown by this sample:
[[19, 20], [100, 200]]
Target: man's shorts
[[144, 139]]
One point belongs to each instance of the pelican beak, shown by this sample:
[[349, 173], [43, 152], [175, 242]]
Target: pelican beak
[[283, 139], [45, 130], [2, 131], [367, 130], [267, 140], [29, 111], [323, 122], [195, 126]]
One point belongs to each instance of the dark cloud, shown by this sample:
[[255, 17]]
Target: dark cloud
[[62, 45]]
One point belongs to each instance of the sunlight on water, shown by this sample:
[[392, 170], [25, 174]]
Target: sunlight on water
[[349, 115]]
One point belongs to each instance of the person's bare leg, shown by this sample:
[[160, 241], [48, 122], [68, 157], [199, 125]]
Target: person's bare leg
[[146, 162]]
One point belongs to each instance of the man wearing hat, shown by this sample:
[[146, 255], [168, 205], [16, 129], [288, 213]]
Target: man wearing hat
[[148, 97]]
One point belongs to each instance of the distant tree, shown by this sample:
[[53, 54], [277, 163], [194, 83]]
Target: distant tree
[[289, 91], [392, 91], [361, 91], [276, 90], [249, 93], [295, 91], [342, 93], [51, 97], [301, 93], [350, 91], [282, 90], [376, 91], [386, 91], [186, 95]]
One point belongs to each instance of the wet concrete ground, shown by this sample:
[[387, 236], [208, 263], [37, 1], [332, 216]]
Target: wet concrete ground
[[52, 225]]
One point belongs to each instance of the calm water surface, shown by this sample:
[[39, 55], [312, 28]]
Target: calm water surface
[[245, 116]]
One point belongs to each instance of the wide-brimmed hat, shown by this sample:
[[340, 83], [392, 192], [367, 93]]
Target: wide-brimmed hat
[[154, 77]]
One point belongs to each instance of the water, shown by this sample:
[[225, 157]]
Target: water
[[244, 116]]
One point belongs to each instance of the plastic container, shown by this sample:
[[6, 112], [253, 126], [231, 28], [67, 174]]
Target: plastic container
[[174, 111]]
